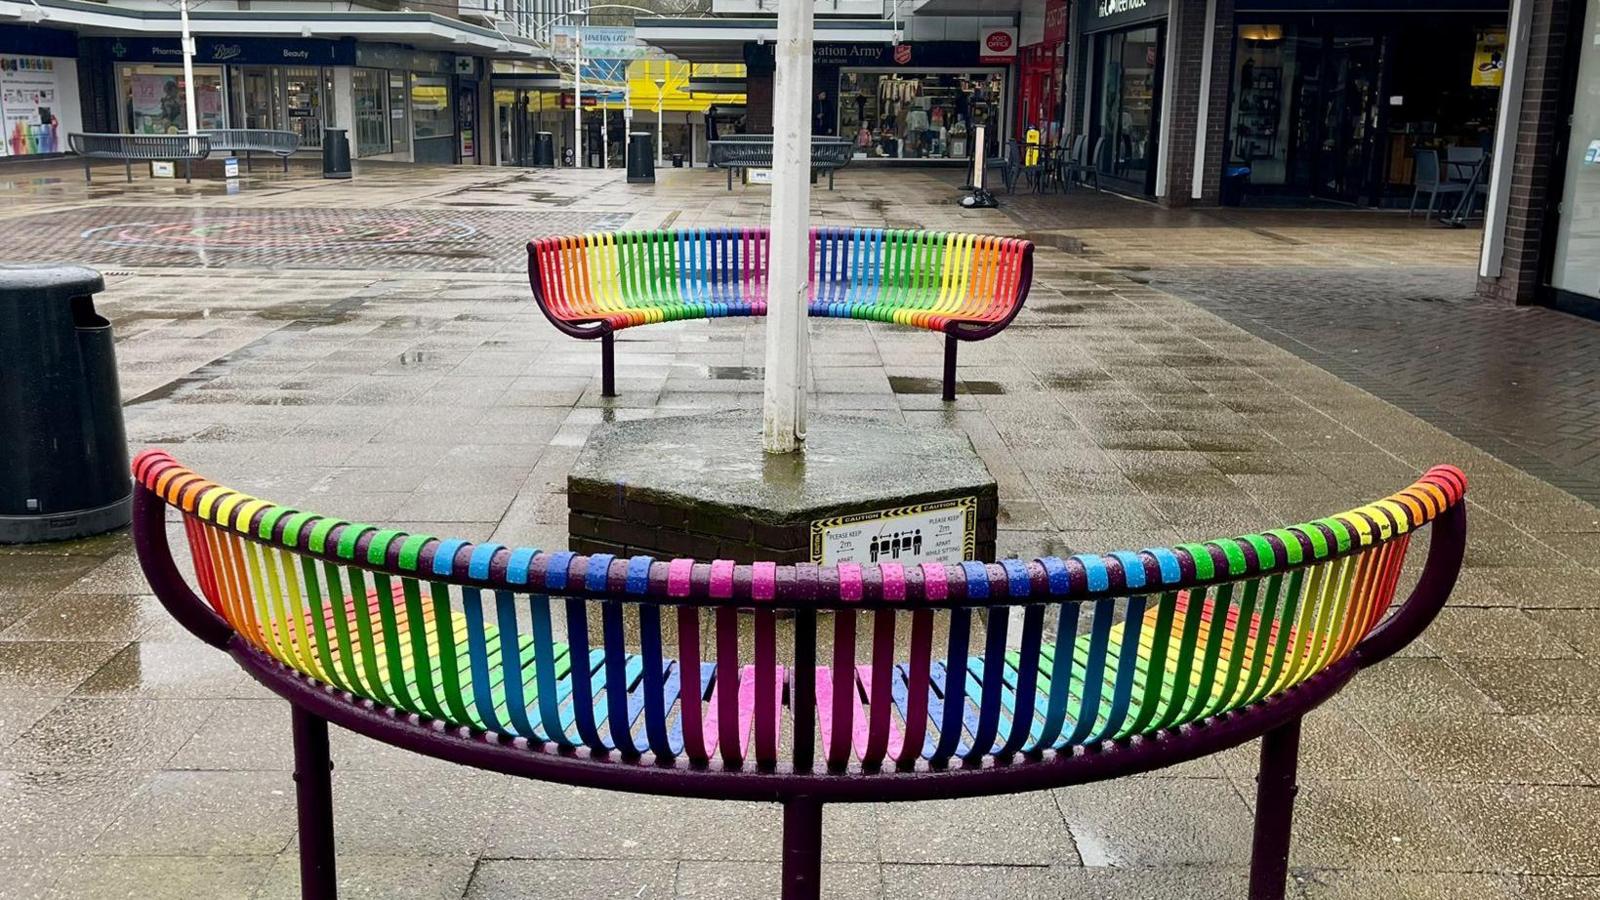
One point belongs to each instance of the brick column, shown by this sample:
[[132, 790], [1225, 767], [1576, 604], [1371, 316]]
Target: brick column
[[1533, 162], [1186, 36]]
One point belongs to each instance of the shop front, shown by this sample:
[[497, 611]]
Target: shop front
[[910, 101], [421, 104], [1337, 106], [239, 82], [1127, 40], [1041, 70], [39, 103]]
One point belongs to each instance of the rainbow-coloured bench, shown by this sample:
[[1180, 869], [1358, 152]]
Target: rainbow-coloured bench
[[899, 683], [969, 286]]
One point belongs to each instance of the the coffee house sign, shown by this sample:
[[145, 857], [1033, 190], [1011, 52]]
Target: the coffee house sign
[[1100, 15]]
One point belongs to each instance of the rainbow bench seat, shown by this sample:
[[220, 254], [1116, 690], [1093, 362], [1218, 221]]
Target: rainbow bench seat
[[969, 286], [801, 684]]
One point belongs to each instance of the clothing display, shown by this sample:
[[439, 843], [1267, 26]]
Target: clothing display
[[918, 115]]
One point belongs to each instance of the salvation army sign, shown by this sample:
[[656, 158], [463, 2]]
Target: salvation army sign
[[997, 45]]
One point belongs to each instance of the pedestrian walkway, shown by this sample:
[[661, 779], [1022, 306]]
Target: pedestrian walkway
[[1125, 407]]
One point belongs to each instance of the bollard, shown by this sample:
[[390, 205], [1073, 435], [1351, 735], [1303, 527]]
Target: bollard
[[64, 461]]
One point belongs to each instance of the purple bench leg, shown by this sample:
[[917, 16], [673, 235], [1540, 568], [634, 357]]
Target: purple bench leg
[[313, 778], [1275, 791], [802, 849], [608, 365], [949, 368]]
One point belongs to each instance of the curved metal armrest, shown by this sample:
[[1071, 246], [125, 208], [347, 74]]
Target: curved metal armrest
[[1446, 548], [155, 558]]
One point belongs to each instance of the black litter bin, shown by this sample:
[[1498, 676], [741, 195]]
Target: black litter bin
[[544, 149], [677, 160], [1234, 180], [335, 153], [641, 158], [64, 458]]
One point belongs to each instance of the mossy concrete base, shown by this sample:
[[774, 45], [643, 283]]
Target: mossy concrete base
[[701, 487]]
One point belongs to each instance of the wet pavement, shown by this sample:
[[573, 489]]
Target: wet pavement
[[1133, 402]]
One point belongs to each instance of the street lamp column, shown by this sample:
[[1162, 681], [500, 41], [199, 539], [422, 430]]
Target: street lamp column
[[577, 96], [783, 407], [661, 134]]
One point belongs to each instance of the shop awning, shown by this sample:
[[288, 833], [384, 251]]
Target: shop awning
[[967, 8], [425, 31], [723, 40], [718, 85]]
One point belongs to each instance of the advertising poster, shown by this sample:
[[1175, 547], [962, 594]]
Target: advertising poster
[[157, 104], [28, 101], [1489, 60], [945, 532]]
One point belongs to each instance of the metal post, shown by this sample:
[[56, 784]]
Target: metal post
[[802, 845], [661, 132], [783, 413], [1275, 790], [608, 365], [313, 777], [188, 73], [950, 368], [577, 96]]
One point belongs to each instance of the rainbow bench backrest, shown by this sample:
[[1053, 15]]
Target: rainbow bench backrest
[[929, 279], [802, 668]]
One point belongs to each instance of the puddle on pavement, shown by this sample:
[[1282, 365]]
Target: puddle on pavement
[[441, 254], [902, 384], [1057, 309], [735, 373], [1075, 381]]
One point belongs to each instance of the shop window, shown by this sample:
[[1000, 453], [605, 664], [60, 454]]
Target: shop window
[[430, 107], [154, 103], [1576, 267], [1265, 69], [927, 115], [1130, 71]]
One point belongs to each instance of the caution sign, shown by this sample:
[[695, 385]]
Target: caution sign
[[945, 532]]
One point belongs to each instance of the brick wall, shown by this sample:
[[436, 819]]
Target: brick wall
[[1533, 163], [1186, 30]]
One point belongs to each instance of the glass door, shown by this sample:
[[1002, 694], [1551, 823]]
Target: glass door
[[1575, 265], [1130, 106], [256, 99], [399, 121], [369, 88], [1349, 108], [302, 101]]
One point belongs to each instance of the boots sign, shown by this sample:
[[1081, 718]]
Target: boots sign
[[997, 45]]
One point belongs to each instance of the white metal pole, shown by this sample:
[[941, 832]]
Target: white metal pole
[[188, 68], [783, 410], [661, 134], [577, 96]]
